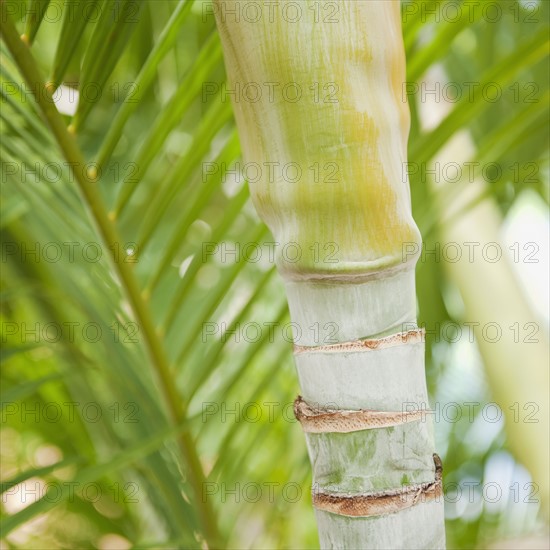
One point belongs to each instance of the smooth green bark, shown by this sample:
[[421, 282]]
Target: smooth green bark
[[328, 134]]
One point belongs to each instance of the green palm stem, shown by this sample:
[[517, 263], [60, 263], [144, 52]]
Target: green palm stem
[[333, 194]]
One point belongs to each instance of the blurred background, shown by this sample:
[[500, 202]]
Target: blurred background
[[88, 455]]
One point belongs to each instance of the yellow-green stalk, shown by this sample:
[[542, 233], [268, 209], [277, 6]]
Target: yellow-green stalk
[[317, 93]]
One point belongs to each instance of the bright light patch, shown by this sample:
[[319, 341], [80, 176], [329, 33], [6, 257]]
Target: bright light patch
[[526, 233], [66, 100], [184, 266]]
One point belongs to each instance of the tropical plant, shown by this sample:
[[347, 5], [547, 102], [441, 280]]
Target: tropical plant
[[376, 484], [147, 385]]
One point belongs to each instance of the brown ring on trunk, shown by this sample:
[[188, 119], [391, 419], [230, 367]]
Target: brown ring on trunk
[[383, 502], [330, 421], [401, 338]]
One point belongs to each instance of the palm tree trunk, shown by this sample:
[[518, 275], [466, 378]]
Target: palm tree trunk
[[317, 92]]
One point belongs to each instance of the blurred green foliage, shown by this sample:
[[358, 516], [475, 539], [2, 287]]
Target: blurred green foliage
[[70, 338]]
